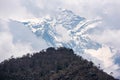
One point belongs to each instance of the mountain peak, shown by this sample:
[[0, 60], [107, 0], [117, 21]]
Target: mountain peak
[[65, 29], [68, 19]]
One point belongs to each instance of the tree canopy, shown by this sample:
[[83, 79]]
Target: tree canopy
[[51, 64]]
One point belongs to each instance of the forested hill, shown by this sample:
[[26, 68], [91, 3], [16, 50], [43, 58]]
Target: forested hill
[[51, 64]]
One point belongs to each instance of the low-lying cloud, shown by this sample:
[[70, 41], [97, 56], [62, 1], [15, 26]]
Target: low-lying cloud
[[17, 40], [7, 47]]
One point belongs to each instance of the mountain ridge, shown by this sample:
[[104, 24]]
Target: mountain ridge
[[66, 29], [51, 64]]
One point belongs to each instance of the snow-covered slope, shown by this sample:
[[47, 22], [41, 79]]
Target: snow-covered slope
[[65, 29], [70, 30]]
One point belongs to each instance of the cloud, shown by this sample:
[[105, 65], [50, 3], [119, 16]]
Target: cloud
[[17, 40], [108, 10], [7, 47], [13, 10], [84, 8], [21, 9], [109, 37], [105, 59]]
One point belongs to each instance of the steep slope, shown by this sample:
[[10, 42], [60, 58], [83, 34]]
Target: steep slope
[[65, 29], [69, 30], [51, 64]]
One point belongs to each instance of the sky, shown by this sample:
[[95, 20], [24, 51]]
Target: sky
[[107, 10], [108, 32]]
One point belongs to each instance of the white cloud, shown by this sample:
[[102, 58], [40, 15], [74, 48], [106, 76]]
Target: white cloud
[[36, 7], [8, 48], [106, 61], [109, 37], [13, 10], [63, 37], [108, 10], [17, 40]]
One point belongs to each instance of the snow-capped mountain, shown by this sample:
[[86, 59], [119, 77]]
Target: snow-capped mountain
[[70, 30], [65, 29]]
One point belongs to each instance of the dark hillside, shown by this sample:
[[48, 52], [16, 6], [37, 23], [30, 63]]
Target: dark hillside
[[52, 64]]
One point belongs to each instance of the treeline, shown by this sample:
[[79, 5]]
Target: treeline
[[51, 64]]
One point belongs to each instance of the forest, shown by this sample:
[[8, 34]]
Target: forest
[[51, 64]]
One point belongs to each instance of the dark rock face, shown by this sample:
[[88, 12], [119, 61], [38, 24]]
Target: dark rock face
[[51, 64]]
